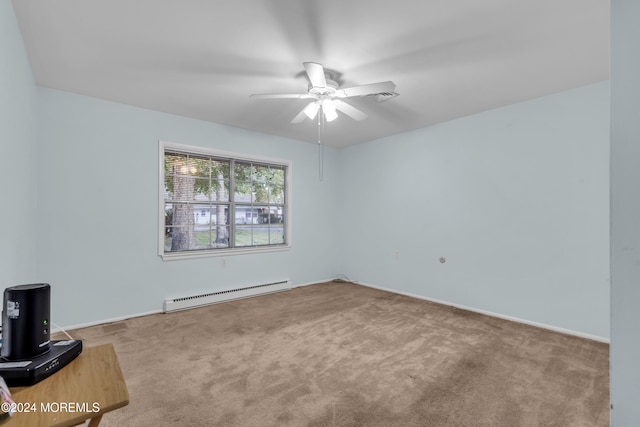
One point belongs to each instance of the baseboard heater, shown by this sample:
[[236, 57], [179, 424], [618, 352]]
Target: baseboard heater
[[222, 296]]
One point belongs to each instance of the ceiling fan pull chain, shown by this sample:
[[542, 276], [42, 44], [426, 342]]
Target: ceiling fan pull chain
[[320, 146]]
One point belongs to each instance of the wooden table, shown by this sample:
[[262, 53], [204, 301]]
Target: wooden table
[[88, 387]]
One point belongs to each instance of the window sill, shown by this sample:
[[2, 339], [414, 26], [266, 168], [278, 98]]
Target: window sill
[[175, 256]]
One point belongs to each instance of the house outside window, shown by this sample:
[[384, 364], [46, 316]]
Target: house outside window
[[216, 203]]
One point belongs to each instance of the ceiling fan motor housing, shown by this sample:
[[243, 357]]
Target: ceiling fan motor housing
[[329, 89]]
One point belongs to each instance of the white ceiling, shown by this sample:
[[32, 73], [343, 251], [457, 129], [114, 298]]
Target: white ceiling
[[203, 58]]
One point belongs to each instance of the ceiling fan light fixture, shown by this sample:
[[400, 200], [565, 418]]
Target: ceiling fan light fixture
[[329, 109], [330, 115], [311, 110]]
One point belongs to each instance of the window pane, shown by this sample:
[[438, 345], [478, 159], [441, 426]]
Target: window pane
[[201, 189], [260, 193], [179, 238], [246, 214], [182, 164], [244, 236], [201, 214], [168, 222], [244, 193], [276, 194], [261, 174], [199, 167], [266, 215], [168, 186], [220, 167], [201, 237], [277, 175], [196, 237], [186, 188], [219, 214], [276, 234], [242, 172], [252, 235], [172, 163], [182, 187], [261, 234], [277, 215], [219, 190], [220, 236], [182, 214]]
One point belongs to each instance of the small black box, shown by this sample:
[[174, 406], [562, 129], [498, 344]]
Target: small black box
[[25, 321]]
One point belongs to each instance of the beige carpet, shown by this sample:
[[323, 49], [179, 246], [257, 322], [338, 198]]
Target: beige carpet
[[336, 354]]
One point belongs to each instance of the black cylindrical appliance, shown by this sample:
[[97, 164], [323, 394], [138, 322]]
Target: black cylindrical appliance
[[25, 321]]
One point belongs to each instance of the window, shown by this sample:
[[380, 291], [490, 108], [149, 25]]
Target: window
[[214, 203]]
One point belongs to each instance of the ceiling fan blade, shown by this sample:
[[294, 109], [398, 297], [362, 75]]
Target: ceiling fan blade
[[316, 74], [349, 110], [299, 118], [309, 111], [281, 96], [363, 90]]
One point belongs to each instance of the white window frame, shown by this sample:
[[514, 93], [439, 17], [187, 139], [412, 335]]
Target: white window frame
[[190, 149]]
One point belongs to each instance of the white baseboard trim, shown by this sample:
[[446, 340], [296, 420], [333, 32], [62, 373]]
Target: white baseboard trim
[[102, 322], [312, 283], [492, 314], [147, 313]]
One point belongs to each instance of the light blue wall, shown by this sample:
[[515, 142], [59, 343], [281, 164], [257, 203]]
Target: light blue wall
[[516, 199], [17, 139], [97, 169], [625, 213]]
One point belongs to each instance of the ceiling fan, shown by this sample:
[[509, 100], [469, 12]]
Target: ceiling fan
[[327, 97]]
